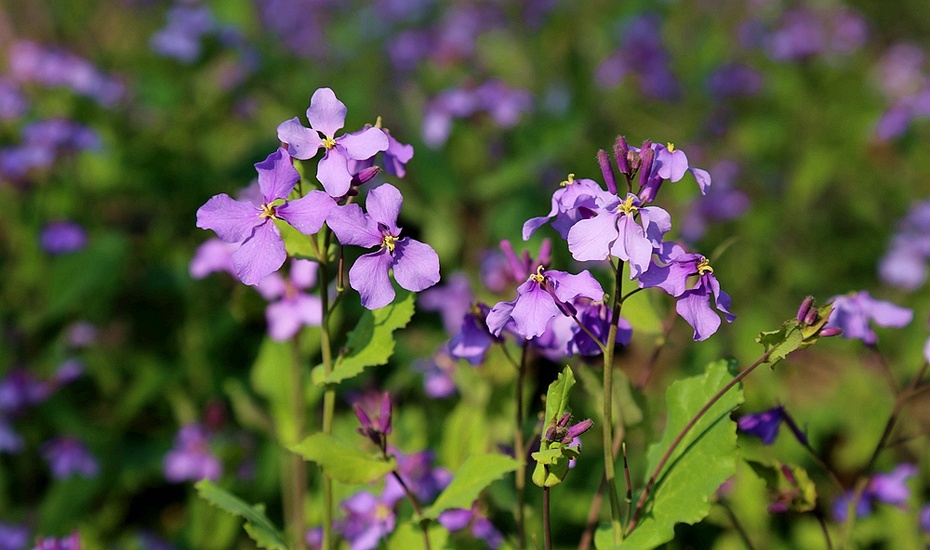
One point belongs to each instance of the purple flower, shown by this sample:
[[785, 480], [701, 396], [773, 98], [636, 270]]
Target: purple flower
[[396, 156], [721, 202], [694, 304], [63, 237], [763, 425], [66, 456], [452, 300], [853, 312], [185, 27], [574, 200], [887, 488], [437, 374], [415, 264], [734, 80], [473, 338], [13, 537], [30, 62], [596, 317], [327, 115], [905, 263], [475, 521], [314, 538], [668, 163], [261, 251], [614, 231], [923, 518], [19, 389], [423, 479], [289, 306], [544, 296], [502, 103], [378, 429], [81, 334], [643, 55], [190, 458], [213, 256], [71, 542], [368, 520], [12, 103], [10, 442]]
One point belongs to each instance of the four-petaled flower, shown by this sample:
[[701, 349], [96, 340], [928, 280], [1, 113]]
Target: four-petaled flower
[[327, 115], [415, 265], [289, 306], [852, 313], [261, 251]]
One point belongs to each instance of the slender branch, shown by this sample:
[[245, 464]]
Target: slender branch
[[824, 530], [424, 523], [607, 424], [298, 468], [654, 476], [737, 525], [547, 528], [519, 451], [630, 293], [329, 394]]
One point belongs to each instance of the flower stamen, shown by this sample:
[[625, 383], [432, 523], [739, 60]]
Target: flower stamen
[[329, 142], [267, 211], [538, 276], [569, 181], [704, 266], [388, 242], [627, 206]]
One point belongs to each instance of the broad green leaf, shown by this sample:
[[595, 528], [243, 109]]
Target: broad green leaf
[[271, 378], [557, 397], [371, 342], [257, 525], [476, 473], [704, 459], [409, 536], [341, 461], [779, 343]]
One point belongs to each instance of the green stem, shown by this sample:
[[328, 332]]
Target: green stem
[[519, 451], [547, 528], [329, 394], [653, 478], [607, 424], [298, 469]]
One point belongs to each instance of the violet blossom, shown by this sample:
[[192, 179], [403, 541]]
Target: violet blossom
[[368, 520], [31, 62], [574, 200], [327, 116], [437, 374], [473, 338], [596, 317], [10, 441], [290, 307], [190, 458], [67, 456], [415, 264], [185, 27], [261, 251], [854, 312], [62, 237], [886, 488], [545, 295], [213, 256], [452, 300], [13, 537], [721, 202], [70, 542], [475, 521], [694, 303], [643, 55], [502, 103], [904, 265], [419, 473]]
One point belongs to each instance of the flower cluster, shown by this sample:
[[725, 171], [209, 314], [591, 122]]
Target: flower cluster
[[503, 104], [904, 265], [190, 459], [31, 62], [888, 488]]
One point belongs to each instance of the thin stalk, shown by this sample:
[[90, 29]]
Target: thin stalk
[[825, 531], [298, 469], [654, 476], [737, 525], [519, 451], [547, 528], [607, 424], [595, 511], [416, 507], [329, 395]]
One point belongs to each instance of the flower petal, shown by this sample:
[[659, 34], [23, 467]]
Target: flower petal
[[703, 179], [326, 113], [283, 320], [568, 286], [307, 213], [260, 255], [694, 307], [632, 246], [302, 143], [303, 273], [533, 310], [673, 165], [272, 287], [232, 220], [365, 144], [590, 239], [369, 276], [416, 265], [353, 227], [499, 316], [333, 173], [276, 176], [383, 205]]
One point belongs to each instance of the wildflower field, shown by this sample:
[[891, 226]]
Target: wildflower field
[[403, 274]]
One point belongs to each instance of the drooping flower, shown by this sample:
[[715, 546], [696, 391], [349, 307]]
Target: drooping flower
[[763, 425], [190, 458], [614, 231], [261, 249], [67, 456], [290, 307], [327, 116], [415, 264], [545, 295], [694, 304], [853, 313], [575, 200]]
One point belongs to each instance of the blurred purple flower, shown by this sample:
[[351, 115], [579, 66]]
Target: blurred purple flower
[[300, 25], [423, 479], [473, 338], [314, 538], [642, 54], [502, 103], [415, 264], [81, 334], [763, 425], [899, 72], [71, 542], [734, 80], [437, 374], [67, 456], [545, 295], [452, 300], [887, 488], [923, 518], [290, 307], [261, 251], [368, 520], [31, 62], [180, 38], [327, 116], [13, 537], [19, 389], [213, 256], [476, 522], [853, 313], [190, 458], [10, 442], [800, 35], [62, 237], [722, 202], [12, 102], [904, 265]]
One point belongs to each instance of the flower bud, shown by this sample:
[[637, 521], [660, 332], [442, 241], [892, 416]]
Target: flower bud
[[621, 150], [805, 308], [607, 170], [365, 175]]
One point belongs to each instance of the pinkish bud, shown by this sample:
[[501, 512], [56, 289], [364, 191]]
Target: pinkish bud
[[621, 150], [607, 171], [365, 175], [831, 331], [648, 157], [805, 309]]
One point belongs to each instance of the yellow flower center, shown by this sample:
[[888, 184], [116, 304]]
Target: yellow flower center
[[329, 142], [627, 206], [569, 181], [388, 242], [670, 146], [267, 211], [704, 266], [538, 276], [382, 512]]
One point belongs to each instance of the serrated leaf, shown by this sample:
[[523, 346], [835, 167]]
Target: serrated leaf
[[257, 525], [341, 461], [790, 487], [476, 473], [557, 396], [371, 342], [779, 343], [704, 459]]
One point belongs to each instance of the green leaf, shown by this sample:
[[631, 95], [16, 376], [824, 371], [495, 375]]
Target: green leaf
[[704, 459], [371, 342], [409, 536], [296, 243], [271, 378], [341, 461], [257, 525], [779, 343], [476, 473], [557, 397], [788, 485]]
